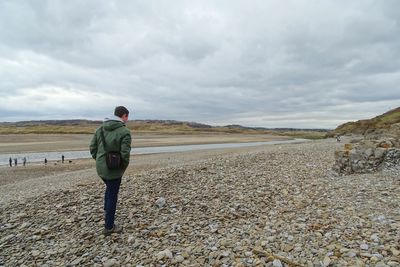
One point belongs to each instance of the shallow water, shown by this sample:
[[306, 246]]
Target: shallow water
[[71, 155]]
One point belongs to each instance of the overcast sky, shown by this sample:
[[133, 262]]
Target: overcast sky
[[306, 64]]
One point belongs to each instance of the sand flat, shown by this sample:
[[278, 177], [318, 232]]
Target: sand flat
[[68, 142]]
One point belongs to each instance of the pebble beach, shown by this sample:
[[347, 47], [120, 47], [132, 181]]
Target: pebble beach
[[276, 205]]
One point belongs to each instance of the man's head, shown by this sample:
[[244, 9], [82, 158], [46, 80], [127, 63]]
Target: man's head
[[122, 112]]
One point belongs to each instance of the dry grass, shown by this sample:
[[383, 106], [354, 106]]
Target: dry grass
[[383, 121], [145, 127], [312, 135]]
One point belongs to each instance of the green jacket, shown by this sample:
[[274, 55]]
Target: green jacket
[[118, 138]]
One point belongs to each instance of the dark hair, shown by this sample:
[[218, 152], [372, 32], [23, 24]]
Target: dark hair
[[120, 111]]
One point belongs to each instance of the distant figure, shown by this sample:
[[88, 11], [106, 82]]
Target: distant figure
[[24, 161], [15, 162], [45, 161], [338, 138], [10, 161], [62, 158]]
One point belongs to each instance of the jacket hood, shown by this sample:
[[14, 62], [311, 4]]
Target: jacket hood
[[113, 118], [110, 124]]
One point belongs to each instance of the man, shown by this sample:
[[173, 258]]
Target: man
[[116, 138], [10, 161]]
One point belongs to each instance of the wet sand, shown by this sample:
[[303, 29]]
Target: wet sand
[[50, 142], [72, 142]]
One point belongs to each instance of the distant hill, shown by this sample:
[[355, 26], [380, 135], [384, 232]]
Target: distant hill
[[166, 126], [50, 122], [387, 123], [148, 126]]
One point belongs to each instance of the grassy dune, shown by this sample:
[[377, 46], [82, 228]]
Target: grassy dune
[[151, 127], [384, 121], [47, 129]]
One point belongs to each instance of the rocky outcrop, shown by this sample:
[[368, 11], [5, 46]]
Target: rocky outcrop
[[368, 156], [394, 130]]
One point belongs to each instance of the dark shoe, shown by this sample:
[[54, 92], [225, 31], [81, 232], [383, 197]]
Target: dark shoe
[[116, 229]]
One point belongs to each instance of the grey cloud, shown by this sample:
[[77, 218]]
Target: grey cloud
[[268, 63]]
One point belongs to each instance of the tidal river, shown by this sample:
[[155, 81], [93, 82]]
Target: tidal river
[[71, 155]]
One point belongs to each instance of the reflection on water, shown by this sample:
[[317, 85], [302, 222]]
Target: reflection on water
[[70, 155]]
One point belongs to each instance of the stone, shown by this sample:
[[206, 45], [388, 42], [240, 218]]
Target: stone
[[225, 253], [168, 254], [395, 252], [164, 254], [380, 153], [374, 259], [326, 261], [179, 258], [381, 264], [185, 254], [351, 254], [6, 238], [35, 253], [348, 146], [76, 261], [277, 263], [160, 255], [369, 152], [25, 224], [131, 239], [377, 255], [287, 248], [160, 202], [375, 237], [364, 246], [110, 263]]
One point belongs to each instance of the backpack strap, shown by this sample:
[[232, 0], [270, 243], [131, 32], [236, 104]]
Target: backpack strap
[[103, 139]]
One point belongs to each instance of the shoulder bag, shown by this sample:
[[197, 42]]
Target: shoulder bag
[[113, 158]]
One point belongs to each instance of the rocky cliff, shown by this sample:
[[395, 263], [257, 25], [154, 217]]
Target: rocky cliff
[[387, 124]]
